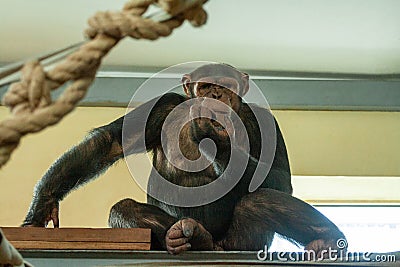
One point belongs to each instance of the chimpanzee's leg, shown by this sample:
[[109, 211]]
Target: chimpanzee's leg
[[128, 213], [258, 215]]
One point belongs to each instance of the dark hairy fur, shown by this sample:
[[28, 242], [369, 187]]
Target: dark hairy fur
[[238, 221]]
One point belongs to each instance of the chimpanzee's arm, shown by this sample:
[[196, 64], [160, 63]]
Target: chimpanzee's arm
[[279, 176], [276, 177], [80, 164], [100, 149]]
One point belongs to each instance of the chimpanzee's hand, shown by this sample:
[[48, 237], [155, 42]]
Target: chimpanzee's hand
[[201, 124], [42, 212], [212, 119]]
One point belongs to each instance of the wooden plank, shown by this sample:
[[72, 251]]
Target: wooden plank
[[25, 245], [128, 235], [28, 238]]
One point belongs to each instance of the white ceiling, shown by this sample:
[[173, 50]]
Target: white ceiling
[[358, 36]]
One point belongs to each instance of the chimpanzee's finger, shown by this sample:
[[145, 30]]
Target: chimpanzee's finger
[[188, 227], [173, 234], [179, 249], [54, 218], [176, 242]]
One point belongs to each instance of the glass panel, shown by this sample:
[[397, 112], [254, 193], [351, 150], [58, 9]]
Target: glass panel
[[367, 229]]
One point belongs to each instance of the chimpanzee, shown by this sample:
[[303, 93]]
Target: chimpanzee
[[239, 219]]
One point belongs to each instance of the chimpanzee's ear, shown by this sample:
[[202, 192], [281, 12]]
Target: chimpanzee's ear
[[186, 79], [245, 84]]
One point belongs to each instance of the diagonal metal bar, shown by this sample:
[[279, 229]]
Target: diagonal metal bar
[[15, 67], [59, 54]]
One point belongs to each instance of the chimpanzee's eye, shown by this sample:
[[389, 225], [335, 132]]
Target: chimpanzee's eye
[[203, 85]]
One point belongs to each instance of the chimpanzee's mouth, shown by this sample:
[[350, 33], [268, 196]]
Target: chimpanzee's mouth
[[217, 126]]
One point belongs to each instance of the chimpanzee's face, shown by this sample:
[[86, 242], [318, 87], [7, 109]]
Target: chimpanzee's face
[[218, 98], [218, 89], [224, 89]]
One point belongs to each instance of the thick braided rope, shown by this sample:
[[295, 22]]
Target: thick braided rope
[[29, 99]]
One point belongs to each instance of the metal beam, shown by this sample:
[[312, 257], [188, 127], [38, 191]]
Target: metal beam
[[283, 90]]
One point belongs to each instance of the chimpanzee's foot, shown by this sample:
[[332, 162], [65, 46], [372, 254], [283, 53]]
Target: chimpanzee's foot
[[188, 234]]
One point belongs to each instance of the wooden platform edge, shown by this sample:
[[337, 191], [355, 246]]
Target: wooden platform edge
[[28, 245], [79, 238]]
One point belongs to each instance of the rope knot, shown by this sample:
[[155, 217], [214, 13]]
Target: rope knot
[[30, 100], [129, 21], [31, 92], [196, 15], [107, 22], [121, 24]]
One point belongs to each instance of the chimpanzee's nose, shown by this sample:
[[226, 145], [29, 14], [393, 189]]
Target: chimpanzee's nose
[[216, 95]]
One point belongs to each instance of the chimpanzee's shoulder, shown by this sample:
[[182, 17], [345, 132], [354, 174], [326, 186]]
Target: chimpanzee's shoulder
[[251, 109], [172, 98]]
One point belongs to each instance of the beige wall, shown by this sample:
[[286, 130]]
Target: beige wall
[[342, 142], [319, 143]]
